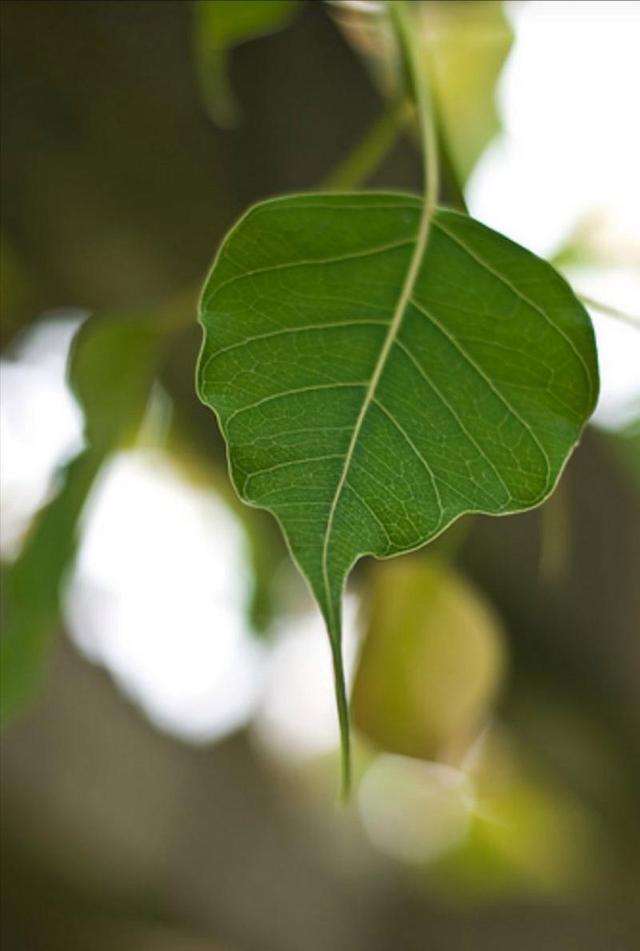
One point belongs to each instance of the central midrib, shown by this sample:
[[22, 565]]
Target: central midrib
[[405, 294]]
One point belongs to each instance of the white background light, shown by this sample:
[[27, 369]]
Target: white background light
[[414, 810], [297, 712], [160, 596], [40, 422], [571, 150]]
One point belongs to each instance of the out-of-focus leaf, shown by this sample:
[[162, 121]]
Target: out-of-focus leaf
[[597, 242], [31, 587], [375, 380], [464, 45], [112, 367], [220, 25], [495, 831], [368, 30], [526, 839], [431, 661]]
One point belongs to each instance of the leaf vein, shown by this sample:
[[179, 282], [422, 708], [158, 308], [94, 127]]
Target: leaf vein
[[487, 379], [288, 464], [293, 392], [418, 454], [523, 297], [287, 331], [310, 262], [453, 413]]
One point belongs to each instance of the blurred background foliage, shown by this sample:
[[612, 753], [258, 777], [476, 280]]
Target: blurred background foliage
[[169, 767]]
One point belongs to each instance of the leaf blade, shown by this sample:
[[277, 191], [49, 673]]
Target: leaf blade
[[376, 378]]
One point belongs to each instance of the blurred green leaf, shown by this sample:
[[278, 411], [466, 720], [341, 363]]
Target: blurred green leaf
[[527, 838], [112, 367], [464, 48], [431, 661], [220, 25], [31, 587], [372, 387], [495, 830]]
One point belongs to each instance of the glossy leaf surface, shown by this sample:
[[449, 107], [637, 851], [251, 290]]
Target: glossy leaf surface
[[371, 392]]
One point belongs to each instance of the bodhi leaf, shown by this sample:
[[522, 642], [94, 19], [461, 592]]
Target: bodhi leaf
[[378, 371]]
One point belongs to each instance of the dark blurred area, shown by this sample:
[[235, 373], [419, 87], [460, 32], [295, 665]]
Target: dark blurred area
[[116, 190]]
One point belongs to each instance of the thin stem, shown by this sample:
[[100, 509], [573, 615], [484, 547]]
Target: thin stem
[[418, 82], [435, 146], [331, 610], [344, 721], [367, 155], [632, 319]]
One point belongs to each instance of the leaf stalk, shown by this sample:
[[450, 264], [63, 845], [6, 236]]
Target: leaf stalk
[[419, 85], [417, 77]]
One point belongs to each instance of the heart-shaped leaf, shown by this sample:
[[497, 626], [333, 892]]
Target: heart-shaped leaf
[[378, 371]]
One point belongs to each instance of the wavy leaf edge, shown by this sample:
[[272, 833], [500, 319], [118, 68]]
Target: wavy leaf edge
[[332, 602]]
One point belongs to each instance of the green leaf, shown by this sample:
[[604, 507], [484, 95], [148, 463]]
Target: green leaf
[[112, 367], [431, 661], [113, 363], [467, 45], [220, 25], [377, 374], [32, 583], [462, 48]]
